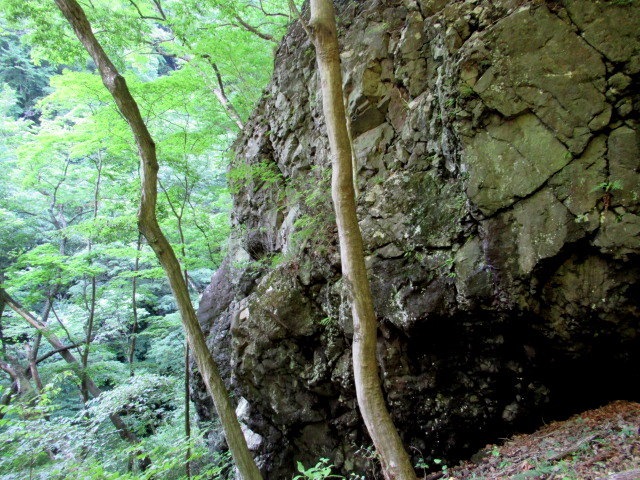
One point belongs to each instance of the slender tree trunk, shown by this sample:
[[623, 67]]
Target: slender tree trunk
[[84, 358], [222, 96], [149, 227], [394, 458], [179, 214], [32, 356], [3, 345], [134, 307], [32, 352], [187, 412]]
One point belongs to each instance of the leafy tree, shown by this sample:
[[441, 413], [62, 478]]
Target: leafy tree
[[149, 227], [68, 199], [29, 82]]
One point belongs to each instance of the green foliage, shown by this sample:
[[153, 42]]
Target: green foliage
[[608, 187], [259, 175], [319, 471], [68, 203], [145, 400], [28, 81], [34, 433]]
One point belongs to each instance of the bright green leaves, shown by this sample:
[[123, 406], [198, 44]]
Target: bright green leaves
[[69, 194]]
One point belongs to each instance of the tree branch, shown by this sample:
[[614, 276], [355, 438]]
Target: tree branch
[[222, 96], [296, 12], [146, 17], [255, 31], [159, 8], [57, 350], [268, 14]]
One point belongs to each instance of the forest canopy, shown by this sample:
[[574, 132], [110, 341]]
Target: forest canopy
[[73, 267]]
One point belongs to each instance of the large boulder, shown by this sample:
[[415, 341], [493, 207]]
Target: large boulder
[[498, 172]]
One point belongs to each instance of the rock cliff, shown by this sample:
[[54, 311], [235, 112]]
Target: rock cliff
[[497, 148]]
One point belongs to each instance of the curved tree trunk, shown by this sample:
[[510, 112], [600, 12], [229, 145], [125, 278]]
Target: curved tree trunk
[[394, 458], [149, 227]]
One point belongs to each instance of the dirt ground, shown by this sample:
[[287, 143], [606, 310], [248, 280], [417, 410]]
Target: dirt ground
[[602, 444]]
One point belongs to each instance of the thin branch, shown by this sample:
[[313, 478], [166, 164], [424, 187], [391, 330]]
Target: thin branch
[[269, 14], [66, 331], [134, 307], [145, 17], [255, 31], [57, 350], [222, 96], [3, 344], [77, 215], [159, 8], [202, 231], [297, 13]]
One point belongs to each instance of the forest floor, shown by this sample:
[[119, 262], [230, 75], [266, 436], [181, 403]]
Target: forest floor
[[602, 444]]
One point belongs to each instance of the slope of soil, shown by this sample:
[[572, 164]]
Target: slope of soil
[[601, 444]]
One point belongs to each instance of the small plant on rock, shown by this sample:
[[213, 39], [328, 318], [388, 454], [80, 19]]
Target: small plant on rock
[[608, 188], [320, 471]]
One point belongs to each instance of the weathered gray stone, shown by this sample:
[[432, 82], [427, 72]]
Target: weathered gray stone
[[576, 185], [553, 73], [588, 297], [474, 278], [510, 160], [612, 28], [619, 234], [624, 166], [370, 147], [544, 226]]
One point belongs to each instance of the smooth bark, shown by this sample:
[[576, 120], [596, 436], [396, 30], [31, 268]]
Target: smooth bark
[[395, 461], [187, 412], [148, 224], [134, 307], [84, 358]]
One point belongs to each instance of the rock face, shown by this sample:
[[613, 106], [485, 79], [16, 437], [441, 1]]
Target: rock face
[[497, 148]]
